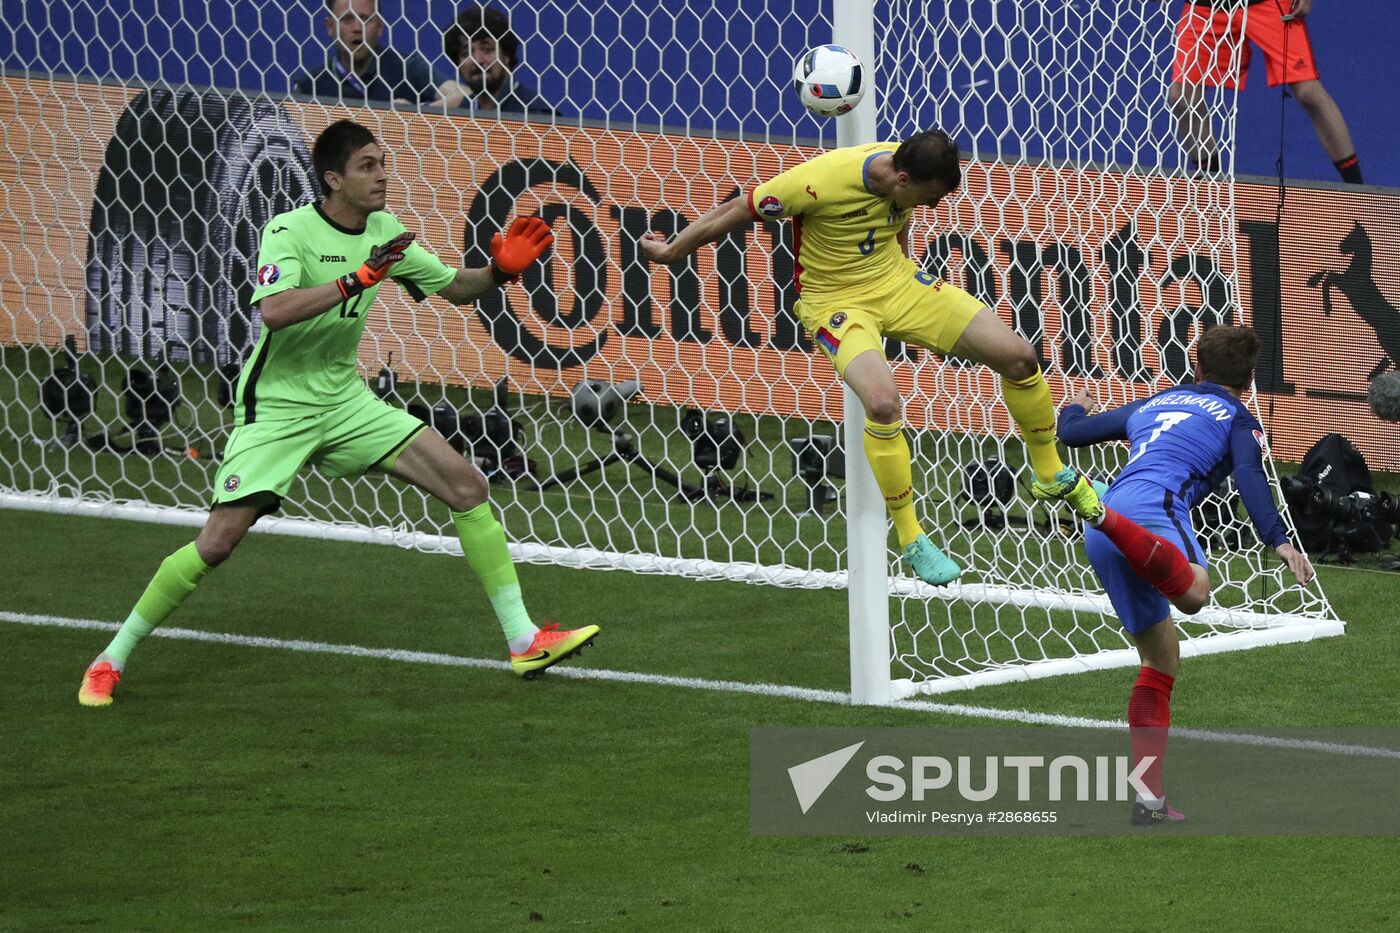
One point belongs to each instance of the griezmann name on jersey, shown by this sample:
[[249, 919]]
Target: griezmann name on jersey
[[1183, 442], [313, 365], [845, 236]]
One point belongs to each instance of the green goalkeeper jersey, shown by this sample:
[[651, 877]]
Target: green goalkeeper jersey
[[313, 365]]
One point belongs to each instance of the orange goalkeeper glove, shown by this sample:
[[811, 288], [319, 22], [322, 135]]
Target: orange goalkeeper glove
[[523, 243], [381, 260]]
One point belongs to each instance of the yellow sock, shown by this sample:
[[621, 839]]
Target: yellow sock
[[888, 453], [1029, 403]]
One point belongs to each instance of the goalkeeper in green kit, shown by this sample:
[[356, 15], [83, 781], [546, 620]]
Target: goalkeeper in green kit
[[300, 398]]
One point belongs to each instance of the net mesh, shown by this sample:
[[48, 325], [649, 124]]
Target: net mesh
[[1084, 221], [667, 420]]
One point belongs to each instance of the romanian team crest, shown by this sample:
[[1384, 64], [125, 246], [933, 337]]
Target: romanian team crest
[[770, 207], [838, 319], [268, 274], [232, 483]]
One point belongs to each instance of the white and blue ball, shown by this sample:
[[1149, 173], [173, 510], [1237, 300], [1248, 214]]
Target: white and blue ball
[[830, 80]]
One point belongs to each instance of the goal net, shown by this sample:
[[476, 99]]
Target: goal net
[[666, 420], [1084, 221]]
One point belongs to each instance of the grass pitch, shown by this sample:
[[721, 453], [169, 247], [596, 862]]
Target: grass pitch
[[255, 789]]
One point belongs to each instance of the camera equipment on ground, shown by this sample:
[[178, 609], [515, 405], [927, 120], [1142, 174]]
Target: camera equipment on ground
[[815, 459], [149, 400], [66, 395], [990, 485], [597, 403], [386, 383], [716, 444], [1384, 396], [492, 439]]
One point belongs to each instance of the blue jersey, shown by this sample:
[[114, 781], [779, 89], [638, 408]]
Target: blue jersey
[[1186, 440]]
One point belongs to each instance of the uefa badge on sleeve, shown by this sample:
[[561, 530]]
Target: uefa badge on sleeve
[[269, 273], [771, 207]]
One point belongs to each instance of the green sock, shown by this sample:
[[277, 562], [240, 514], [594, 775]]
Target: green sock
[[176, 579], [484, 542]]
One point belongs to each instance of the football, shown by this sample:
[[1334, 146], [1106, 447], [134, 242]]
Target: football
[[829, 79]]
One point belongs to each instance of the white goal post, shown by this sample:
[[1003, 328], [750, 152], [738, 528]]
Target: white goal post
[[853, 25], [631, 417]]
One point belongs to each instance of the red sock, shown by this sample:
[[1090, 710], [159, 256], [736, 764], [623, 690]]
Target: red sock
[[1152, 557], [1149, 717]]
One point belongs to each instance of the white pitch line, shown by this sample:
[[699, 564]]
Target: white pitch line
[[808, 694]]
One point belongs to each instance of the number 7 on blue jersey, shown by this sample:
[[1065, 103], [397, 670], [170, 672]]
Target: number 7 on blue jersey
[[1165, 422]]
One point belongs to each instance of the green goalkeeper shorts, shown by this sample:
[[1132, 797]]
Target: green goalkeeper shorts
[[263, 458]]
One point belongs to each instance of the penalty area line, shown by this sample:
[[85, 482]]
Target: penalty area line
[[781, 691]]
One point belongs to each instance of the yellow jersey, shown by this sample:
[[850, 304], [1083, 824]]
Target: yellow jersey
[[845, 237]]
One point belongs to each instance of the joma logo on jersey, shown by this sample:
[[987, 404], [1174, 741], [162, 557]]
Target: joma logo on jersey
[[326, 258], [856, 213]]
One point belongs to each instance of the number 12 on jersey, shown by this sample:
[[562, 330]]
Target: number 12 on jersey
[[350, 307]]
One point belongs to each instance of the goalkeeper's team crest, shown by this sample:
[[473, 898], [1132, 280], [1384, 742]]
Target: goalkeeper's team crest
[[232, 483], [838, 319], [269, 273]]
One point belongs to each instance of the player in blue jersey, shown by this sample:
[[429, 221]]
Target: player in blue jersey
[[1184, 442]]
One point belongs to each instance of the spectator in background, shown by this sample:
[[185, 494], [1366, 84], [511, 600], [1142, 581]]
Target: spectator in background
[[1212, 35], [358, 69], [486, 53]]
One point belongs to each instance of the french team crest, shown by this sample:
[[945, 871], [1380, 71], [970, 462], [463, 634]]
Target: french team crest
[[268, 274], [232, 483]]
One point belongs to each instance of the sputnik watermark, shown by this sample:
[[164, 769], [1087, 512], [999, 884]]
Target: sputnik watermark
[[1067, 782], [892, 779], [957, 781], [1101, 778]]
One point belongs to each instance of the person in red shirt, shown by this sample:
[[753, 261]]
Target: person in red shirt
[[1213, 39]]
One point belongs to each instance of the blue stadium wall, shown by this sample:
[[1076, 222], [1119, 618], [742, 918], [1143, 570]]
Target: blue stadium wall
[[229, 45]]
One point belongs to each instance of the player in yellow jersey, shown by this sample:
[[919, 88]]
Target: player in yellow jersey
[[851, 210]]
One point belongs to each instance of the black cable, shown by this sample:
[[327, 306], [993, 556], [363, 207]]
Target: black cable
[[1278, 212], [1278, 237]]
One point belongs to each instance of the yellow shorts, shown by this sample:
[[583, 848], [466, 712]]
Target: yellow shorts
[[923, 310]]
